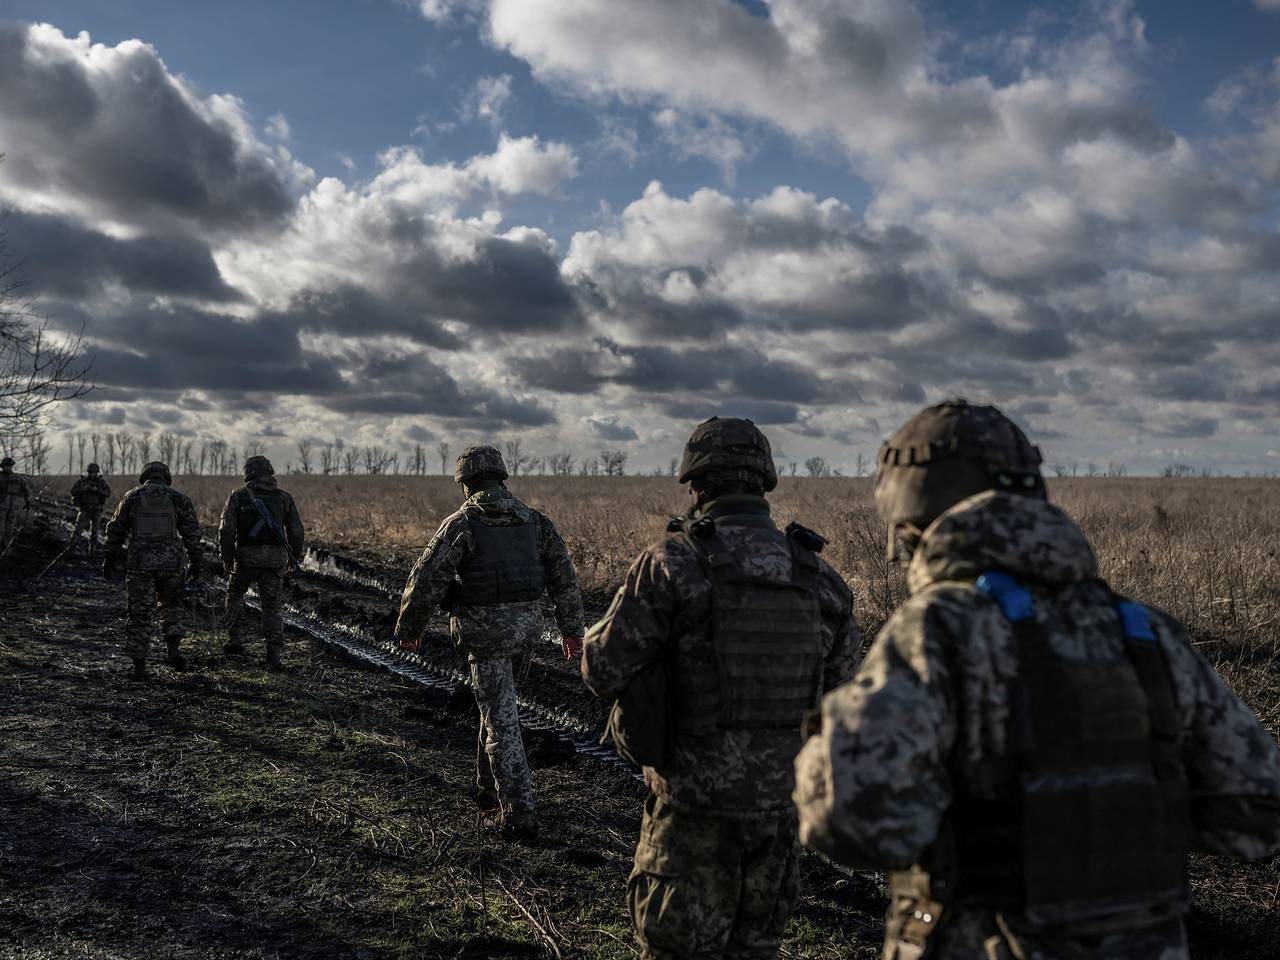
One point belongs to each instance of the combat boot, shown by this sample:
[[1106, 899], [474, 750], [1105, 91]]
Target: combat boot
[[521, 827], [139, 671], [273, 660], [175, 659], [486, 800]]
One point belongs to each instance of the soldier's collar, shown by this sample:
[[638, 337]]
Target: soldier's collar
[[735, 504]]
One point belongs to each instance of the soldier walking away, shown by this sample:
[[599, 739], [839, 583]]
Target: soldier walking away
[[490, 564], [156, 536], [90, 493], [260, 538], [748, 625], [15, 500], [1032, 755]]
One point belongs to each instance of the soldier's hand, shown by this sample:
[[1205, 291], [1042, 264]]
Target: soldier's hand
[[572, 647]]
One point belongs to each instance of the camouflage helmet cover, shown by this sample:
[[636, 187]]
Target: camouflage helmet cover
[[6, 462], [728, 445], [258, 466], [947, 453], [156, 470], [474, 461], [93, 469]]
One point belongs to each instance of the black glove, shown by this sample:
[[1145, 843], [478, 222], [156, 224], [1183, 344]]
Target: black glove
[[109, 568], [193, 572]]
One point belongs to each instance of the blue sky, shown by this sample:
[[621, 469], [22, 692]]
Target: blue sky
[[1017, 187]]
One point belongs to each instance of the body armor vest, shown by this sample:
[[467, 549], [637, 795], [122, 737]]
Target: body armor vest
[[250, 527], [764, 667], [89, 492], [1096, 833], [10, 485], [505, 567], [154, 519]]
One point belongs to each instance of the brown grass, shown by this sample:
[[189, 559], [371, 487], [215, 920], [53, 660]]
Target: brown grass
[[1204, 549]]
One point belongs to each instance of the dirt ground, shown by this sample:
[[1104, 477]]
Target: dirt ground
[[326, 812]]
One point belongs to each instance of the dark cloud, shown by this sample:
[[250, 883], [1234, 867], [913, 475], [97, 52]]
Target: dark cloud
[[612, 430], [69, 261], [154, 349], [1186, 427], [126, 139], [354, 311]]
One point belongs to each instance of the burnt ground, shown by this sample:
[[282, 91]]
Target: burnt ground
[[326, 812]]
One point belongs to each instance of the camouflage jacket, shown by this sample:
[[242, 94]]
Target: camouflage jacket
[[663, 609], [928, 712], [271, 555], [167, 555], [484, 632], [91, 493], [12, 487]]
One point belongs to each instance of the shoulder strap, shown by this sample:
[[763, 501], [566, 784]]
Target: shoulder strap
[[1015, 600], [1149, 663]]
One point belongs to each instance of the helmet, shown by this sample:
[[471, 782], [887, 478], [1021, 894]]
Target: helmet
[[6, 462], [731, 446], [256, 467], [93, 469], [947, 453], [474, 461], [155, 470]]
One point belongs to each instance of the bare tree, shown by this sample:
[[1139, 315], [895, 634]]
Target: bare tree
[[39, 368], [144, 446], [81, 442], [254, 448], [863, 466], [791, 467], [95, 443], [817, 467], [673, 466], [516, 460], [561, 464], [304, 455], [613, 462], [328, 460], [350, 459], [442, 451]]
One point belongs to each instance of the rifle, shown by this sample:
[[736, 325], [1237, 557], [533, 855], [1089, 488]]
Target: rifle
[[265, 519]]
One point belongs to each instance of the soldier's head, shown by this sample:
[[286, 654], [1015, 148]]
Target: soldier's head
[[727, 455], [155, 472], [258, 468], [93, 470], [7, 464], [480, 467], [944, 454]]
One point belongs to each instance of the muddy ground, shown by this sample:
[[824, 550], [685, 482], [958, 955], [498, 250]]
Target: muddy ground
[[326, 812]]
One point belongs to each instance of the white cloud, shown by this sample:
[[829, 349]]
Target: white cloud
[[487, 100], [707, 137], [278, 126], [1270, 6]]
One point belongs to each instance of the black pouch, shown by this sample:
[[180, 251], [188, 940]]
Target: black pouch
[[640, 721]]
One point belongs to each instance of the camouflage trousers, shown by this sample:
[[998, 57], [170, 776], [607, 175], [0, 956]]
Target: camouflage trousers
[[10, 520], [92, 521], [270, 584], [712, 887], [502, 769], [144, 590]]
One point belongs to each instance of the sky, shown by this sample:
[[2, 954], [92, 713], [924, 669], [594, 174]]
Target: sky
[[591, 225]]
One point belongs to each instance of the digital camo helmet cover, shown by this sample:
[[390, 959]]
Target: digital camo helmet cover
[[728, 446], [155, 470], [947, 453], [258, 466], [474, 461]]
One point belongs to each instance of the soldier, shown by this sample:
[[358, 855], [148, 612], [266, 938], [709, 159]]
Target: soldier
[[260, 538], [90, 493], [491, 562], [750, 625], [1033, 755], [163, 536], [13, 487]]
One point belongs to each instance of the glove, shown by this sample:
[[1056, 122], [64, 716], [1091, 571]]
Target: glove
[[572, 647], [109, 568]]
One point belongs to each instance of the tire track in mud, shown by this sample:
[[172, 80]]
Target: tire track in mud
[[334, 580]]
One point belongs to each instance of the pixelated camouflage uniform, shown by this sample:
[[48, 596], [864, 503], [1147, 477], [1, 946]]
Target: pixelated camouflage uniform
[[155, 568], [260, 561], [15, 498], [495, 638], [927, 718], [715, 871], [90, 494]]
